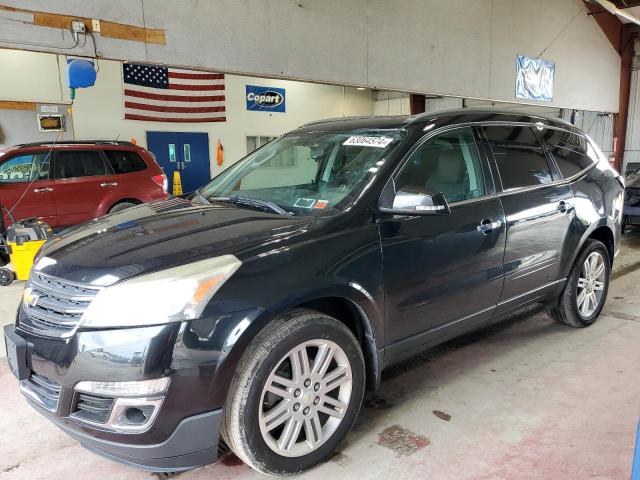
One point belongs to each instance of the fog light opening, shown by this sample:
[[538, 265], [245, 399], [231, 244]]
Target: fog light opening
[[135, 415]]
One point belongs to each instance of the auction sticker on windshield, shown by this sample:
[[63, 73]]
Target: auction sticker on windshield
[[378, 142]]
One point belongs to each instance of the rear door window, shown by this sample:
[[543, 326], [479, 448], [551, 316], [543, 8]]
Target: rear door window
[[569, 150], [519, 155], [123, 161], [78, 164], [25, 168]]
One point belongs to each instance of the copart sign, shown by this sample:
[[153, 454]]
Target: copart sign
[[265, 99]]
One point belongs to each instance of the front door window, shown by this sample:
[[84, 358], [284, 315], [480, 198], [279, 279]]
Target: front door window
[[448, 163]]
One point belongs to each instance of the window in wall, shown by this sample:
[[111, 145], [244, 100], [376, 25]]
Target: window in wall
[[75, 164], [25, 168], [125, 161], [519, 155], [448, 163], [569, 150]]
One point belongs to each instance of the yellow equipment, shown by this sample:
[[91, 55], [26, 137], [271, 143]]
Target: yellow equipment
[[23, 240], [177, 183]]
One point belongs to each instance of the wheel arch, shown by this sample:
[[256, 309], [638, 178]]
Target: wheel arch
[[355, 318], [602, 232], [135, 201], [605, 235], [349, 305]]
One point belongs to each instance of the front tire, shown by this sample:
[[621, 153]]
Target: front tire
[[585, 292], [296, 393]]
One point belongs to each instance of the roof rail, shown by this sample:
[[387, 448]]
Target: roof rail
[[337, 119], [78, 142]]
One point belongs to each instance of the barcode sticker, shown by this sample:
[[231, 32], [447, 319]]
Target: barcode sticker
[[378, 142]]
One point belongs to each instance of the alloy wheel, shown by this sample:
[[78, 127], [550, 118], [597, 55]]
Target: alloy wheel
[[305, 398], [591, 284]]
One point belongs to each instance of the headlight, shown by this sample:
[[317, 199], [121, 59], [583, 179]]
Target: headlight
[[171, 295]]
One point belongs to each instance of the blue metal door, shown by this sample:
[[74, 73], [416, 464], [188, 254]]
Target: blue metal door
[[185, 152]]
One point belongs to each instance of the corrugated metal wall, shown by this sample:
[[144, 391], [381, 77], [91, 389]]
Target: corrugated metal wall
[[442, 103], [598, 126], [632, 145]]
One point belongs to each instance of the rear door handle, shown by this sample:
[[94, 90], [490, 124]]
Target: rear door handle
[[109, 184], [564, 206], [43, 190], [486, 226]]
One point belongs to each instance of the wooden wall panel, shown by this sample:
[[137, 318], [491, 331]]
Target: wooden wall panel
[[107, 29]]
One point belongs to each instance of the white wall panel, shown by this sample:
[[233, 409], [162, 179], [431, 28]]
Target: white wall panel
[[464, 48], [98, 111]]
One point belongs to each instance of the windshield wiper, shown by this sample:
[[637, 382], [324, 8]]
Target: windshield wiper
[[253, 202]]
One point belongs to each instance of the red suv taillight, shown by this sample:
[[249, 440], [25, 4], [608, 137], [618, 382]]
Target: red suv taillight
[[161, 180]]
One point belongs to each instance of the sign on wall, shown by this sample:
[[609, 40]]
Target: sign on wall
[[534, 78], [265, 99]]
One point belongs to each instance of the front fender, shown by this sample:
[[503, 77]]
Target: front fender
[[233, 333]]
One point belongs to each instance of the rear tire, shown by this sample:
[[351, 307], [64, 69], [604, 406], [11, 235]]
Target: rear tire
[[118, 207], [585, 292], [316, 365]]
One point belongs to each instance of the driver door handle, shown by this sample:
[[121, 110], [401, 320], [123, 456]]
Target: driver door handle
[[109, 184], [486, 226], [43, 189]]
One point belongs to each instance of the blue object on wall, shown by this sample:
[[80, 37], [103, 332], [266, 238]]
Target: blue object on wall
[[265, 99], [80, 73]]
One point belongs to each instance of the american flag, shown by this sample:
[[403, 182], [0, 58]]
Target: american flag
[[166, 94]]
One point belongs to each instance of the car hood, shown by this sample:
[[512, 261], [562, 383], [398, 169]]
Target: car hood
[[161, 235]]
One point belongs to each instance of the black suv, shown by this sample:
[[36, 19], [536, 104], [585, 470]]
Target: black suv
[[261, 307]]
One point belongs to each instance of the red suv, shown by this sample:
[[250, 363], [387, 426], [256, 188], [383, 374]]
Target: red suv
[[71, 182]]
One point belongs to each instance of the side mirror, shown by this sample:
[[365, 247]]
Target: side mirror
[[416, 201]]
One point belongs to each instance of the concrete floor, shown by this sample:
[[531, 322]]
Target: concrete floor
[[526, 399]]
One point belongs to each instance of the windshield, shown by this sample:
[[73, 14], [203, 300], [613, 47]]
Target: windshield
[[306, 173]]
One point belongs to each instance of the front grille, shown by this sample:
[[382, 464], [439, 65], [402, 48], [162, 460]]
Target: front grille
[[92, 408], [56, 305], [42, 390]]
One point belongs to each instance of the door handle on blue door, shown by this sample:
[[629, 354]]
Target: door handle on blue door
[[486, 226]]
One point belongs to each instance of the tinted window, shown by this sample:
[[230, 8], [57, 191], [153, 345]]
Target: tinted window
[[519, 155], [569, 151], [25, 168], [74, 164], [125, 161], [448, 163]]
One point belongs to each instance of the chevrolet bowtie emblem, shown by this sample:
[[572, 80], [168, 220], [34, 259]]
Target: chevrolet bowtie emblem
[[29, 298]]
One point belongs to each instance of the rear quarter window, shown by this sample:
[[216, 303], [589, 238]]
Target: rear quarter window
[[123, 161], [569, 150]]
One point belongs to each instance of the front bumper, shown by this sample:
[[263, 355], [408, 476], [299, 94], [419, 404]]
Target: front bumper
[[192, 444], [185, 433]]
